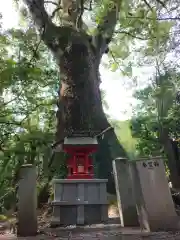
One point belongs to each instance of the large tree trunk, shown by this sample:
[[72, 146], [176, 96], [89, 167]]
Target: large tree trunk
[[172, 157], [80, 107]]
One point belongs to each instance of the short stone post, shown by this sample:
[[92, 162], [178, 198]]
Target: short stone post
[[124, 192], [27, 201]]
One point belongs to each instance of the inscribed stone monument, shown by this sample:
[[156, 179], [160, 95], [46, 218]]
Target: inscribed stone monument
[[152, 194]]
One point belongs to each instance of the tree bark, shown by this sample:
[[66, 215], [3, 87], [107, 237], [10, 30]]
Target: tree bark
[[172, 158], [80, 105]]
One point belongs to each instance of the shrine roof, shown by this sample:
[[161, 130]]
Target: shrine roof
[[80, 141]]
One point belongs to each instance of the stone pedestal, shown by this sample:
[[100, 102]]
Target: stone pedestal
[[124, 192], [153, 198], [27, 201], [79, 202]]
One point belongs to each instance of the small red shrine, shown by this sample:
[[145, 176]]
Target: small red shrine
[[80, 165]]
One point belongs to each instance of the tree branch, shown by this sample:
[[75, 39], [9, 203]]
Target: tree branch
[[49, 32], [149, 6], [161, 3], [10, 101], [51, 2], [38, 12], [134, 36], [105, 30], [10, 123], [40, 17], [157, 19]]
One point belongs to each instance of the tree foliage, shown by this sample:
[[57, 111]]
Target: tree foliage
[[156, 124], [157, 107], [28, 107]]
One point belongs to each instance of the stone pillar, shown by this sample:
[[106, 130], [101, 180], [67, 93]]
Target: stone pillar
[[124, 192], [153, 198], [27, 201]]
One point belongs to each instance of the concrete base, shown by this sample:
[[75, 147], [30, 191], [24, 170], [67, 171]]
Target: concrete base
[[79, 202]]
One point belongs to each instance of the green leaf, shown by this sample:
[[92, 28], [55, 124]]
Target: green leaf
[[114, 66]]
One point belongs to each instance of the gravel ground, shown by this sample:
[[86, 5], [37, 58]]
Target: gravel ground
[[96, 232], [111, 231]]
